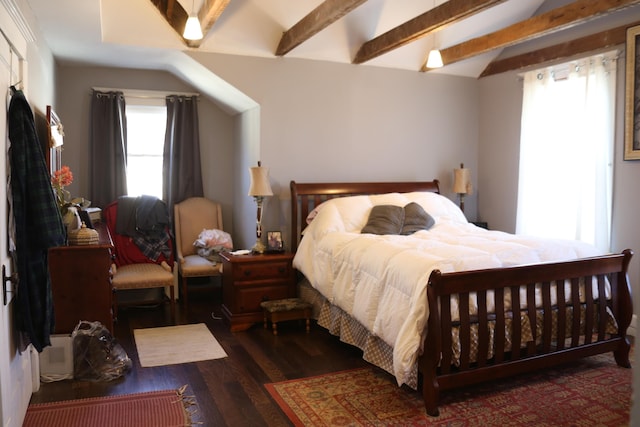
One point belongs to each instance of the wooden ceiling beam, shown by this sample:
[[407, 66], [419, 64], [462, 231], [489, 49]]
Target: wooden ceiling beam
[[176, 16], [173, 13], [317, 20], [561, 18], [209, 13], [594, 42], [420, 26]]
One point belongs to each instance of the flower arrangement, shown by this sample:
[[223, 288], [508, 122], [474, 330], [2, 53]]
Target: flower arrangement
[[60, 179]]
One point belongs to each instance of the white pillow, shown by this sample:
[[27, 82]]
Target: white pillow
[[350, 214]]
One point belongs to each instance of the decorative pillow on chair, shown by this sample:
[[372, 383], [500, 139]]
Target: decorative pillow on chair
[[384, 219], [415, 219]]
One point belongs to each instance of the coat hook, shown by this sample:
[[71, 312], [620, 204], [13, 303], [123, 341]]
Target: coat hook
[[13, 278], [16, 87]]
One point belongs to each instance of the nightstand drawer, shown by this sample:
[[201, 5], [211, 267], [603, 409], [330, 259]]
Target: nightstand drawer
[[262, 271], [249, 299]]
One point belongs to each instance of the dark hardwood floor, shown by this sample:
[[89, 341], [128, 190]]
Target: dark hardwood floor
[[229, 391]]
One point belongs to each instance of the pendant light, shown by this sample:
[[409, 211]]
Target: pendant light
[[192, 29], [434, 60]]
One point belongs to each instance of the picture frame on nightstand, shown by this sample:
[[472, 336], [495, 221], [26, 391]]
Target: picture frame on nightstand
[[274, 241]]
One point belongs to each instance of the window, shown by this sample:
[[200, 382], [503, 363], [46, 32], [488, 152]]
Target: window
[[566, 151], [145, 141]]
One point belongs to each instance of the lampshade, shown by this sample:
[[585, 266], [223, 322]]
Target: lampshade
[[260, 181], [192, 29], [462, 180], [434, 60]]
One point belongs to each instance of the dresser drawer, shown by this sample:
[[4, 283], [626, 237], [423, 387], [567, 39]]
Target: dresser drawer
[[261, 271]]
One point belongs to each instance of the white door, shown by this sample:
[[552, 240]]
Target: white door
[[16, 375]]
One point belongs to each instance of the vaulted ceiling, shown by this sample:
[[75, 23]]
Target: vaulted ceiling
[[449, 13], [476, 37]]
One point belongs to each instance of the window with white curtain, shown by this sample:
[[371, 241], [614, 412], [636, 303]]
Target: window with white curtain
[[566, 151], [146, 123]]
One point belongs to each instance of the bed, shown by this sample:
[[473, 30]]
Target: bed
[[427, 305]]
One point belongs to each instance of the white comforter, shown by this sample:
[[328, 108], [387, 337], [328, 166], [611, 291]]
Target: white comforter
[[381, 280]]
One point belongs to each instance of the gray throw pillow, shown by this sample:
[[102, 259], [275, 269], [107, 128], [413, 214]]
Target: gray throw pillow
[[415, 219], [384, 219]]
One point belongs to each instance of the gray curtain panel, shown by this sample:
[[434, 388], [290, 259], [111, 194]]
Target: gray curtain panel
[[182, 175], [108, 145]]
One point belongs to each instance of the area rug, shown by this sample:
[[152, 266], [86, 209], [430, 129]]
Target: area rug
[[590, 392], [171, 345], [152, 409]]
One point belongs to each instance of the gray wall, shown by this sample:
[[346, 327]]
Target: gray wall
[[335, 122], [317, 121], [74, 85]]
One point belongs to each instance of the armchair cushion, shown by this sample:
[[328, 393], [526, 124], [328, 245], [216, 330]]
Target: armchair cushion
[[142, 276], [195, 265]]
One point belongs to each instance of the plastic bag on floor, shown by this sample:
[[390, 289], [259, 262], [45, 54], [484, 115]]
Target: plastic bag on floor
[[97, 355]]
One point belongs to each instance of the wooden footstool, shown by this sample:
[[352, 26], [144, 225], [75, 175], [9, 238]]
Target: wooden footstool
[[285, 309]]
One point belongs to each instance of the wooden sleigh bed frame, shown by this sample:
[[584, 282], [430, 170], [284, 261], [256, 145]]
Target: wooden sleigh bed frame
[[559, 337]]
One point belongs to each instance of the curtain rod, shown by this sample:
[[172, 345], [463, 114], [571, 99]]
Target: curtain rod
[[145, 94], [606, 53]]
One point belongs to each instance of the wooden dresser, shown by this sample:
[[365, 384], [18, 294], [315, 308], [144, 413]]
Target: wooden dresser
[[81, 283], [247, 280]]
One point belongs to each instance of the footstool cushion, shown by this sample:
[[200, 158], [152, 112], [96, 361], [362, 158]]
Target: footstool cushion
[[285, 309]]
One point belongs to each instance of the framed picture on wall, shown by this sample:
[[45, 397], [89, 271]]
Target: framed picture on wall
[[632, 100], [53, 156]]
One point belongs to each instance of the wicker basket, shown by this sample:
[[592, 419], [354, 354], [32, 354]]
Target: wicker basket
[[83, 236]]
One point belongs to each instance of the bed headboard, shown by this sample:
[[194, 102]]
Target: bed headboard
[[306, 196]]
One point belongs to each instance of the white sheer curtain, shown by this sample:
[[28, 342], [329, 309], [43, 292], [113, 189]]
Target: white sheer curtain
[[566, 151]]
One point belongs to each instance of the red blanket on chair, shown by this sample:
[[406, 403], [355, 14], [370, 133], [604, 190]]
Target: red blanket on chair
[[127, 252]]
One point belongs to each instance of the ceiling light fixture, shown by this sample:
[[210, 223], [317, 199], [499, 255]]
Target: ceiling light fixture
[[434, 60], [192, 29]]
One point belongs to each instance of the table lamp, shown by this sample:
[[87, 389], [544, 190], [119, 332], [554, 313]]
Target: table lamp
[[462, 183], [259, 189]]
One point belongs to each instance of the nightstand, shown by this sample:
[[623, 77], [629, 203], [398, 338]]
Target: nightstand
[[248, 280]]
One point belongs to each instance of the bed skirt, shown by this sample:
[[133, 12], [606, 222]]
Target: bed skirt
[[379, 353]]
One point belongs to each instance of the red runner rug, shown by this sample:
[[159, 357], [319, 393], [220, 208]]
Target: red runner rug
[[153, 409], [593, 391]]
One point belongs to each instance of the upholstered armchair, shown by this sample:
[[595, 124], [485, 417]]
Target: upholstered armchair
[[132, 268], [191, 217]]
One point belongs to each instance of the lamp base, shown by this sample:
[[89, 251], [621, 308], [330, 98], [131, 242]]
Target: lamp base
[[259, 247], [461, 201]]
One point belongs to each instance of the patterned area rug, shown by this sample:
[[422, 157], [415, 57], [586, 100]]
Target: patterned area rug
[[153, 409], [590, 392], [171, 345]]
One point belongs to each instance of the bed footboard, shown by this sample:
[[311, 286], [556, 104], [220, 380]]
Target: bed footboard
[[567, 319]]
